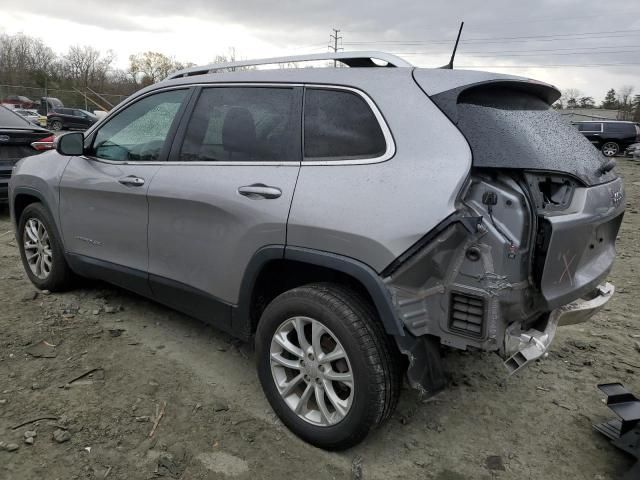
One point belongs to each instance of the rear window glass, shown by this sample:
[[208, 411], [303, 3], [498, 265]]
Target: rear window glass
[[9, 119], [624, 128], [339, 125], [509, 128]]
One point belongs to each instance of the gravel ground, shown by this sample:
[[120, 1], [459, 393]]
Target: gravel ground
[[113, 363]]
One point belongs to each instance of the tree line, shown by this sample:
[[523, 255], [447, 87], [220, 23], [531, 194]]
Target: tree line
[[622, 99], [28, 62]]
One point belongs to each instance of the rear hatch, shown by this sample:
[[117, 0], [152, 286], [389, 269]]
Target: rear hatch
[[578, 199]]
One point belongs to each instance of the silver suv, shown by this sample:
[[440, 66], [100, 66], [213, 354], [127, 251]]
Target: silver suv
[[351, 221]]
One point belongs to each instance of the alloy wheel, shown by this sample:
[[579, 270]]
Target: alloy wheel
[[312, 371], [37, 248], [609, 149]]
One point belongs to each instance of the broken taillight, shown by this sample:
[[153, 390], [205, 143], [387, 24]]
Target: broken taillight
[[46, 143]]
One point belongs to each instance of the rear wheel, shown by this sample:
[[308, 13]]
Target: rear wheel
[[56, 125], [41, 250], [326, 366], [609, 149]]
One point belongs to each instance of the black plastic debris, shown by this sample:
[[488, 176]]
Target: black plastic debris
[[624, 431]]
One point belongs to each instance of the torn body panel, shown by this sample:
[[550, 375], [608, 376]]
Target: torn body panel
[[500, 287]]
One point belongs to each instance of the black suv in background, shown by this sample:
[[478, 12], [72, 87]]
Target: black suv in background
[[70, 119], [611, 137]]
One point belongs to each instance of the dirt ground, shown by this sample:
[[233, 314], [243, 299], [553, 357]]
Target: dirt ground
[[147, 361]]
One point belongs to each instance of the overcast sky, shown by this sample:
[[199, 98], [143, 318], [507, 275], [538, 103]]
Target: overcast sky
[[528, 37]]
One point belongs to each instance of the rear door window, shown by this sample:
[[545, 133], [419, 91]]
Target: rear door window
[[244, 124], [340, 125]]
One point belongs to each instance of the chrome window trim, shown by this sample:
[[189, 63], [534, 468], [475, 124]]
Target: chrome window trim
[[388, 137]]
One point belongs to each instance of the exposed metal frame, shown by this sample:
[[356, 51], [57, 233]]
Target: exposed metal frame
[[388, 154], [352, 59]]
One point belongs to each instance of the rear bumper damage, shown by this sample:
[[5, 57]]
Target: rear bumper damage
[[523, 347], [504, 272]]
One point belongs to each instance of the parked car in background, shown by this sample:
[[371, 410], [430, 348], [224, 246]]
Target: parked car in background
[[18, 138], [33, 116], [314, 212], [611, 137], [49, 104], [633, 151], [19, 101], [70, 119]]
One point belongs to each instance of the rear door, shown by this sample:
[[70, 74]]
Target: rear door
[[103, 204], [225, 193]]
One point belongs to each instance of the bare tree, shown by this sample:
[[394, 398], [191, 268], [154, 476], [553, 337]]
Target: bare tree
[[570, 97], [151, 66], [81, 63], [625, 101]]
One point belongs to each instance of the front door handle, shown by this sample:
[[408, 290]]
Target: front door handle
[[132, 181], [259, 191]]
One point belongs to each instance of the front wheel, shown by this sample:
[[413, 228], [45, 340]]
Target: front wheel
[[326, 366], [610, 149], [41, 250]]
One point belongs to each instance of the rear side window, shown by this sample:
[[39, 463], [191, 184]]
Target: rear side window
[[623, 128], [339, 125], [244, 124], [139, 131], [590, 127]]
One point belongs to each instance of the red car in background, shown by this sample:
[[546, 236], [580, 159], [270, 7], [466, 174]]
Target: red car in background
[[19, 101]]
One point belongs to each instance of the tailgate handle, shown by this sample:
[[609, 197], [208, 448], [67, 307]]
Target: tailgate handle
[[259, 191]]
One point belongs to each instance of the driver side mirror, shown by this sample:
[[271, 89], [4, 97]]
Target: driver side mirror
[[70, 144]]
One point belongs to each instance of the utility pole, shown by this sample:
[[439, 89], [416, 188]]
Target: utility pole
[[333, 45]]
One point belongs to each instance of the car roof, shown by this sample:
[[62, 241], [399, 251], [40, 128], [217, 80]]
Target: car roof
[[437, 80]]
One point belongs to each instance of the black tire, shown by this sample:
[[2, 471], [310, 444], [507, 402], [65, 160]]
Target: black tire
[[60, 277], [56, 125], [374, 361]]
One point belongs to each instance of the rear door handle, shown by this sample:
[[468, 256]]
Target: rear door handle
[[259, 191], [132, 181]]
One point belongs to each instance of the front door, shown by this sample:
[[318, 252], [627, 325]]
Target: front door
[[103, 204], [225, 193]]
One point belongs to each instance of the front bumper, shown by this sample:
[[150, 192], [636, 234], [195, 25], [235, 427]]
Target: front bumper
[[523, 347]]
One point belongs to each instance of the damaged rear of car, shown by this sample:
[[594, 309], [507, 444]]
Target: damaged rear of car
[[532, 240]]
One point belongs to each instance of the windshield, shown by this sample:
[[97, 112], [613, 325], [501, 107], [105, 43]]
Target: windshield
[[511, 128]]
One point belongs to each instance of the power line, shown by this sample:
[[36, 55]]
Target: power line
[[586, 49], [552, 66], [555, 37], [528, 54]]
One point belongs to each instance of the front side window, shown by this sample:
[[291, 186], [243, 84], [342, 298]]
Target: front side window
[[244, 124], [339, 125], [138, 132]]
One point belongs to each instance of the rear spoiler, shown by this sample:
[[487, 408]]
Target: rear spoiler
[[448, 100]]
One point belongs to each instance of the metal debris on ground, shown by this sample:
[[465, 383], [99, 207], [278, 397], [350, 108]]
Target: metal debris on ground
[[624, 431]]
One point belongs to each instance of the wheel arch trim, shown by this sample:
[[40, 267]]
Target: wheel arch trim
[[359, 271]]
